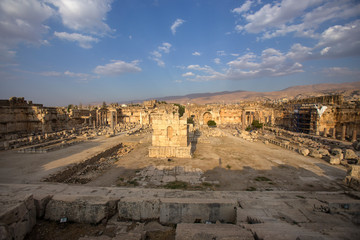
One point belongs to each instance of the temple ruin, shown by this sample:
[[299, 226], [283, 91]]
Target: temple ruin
[[170, 135], [253, 170]]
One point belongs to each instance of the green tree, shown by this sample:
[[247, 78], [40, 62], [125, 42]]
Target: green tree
[[256, 124], [70, 106], [181, 109], [211, 123], [190, 120]]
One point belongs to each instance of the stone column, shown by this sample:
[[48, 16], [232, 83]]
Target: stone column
[[334, 132], [353, 139], [112, 121], [97, 119], [243, 120], [343, 132], [325, 132]]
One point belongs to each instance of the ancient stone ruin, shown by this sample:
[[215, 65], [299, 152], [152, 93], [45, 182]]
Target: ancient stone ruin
[[170, 135], [264, 170]]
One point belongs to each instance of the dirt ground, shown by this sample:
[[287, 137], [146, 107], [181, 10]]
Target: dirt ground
[[235, 163]]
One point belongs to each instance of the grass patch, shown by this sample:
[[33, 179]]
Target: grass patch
[[133, 182], [262, 179], [206, 184], [251, 189], [176, 185], [228, 167], [302, 197]]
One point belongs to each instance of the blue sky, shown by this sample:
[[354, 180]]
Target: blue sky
[[60, 52]]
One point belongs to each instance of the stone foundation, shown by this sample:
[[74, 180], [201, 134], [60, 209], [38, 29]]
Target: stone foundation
[[165, 152]]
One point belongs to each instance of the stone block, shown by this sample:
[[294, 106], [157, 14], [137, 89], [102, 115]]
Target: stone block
[[315, 154], [186, 210], [350, 154], [82, 209], [139, 209], [335, 160], [40, 202], [304, 151], [187, 231], [17, 216], [355, 171]]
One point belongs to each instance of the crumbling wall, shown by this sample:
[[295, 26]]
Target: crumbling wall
[[170, 135]]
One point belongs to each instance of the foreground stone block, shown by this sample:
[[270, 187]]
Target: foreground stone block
[[355, 171], [17, 216], [139, 209], [82, 209], [187, 231], [40, 202], [281, 231], [350, 154], [186, 210]]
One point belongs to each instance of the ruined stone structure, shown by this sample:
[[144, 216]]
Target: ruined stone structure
[[18, 116], [243, 114], [170, 135], [328, 116]]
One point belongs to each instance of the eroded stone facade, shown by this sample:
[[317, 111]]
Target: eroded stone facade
[[170, 135]]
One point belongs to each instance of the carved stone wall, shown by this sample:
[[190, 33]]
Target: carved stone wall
[[170, 135]]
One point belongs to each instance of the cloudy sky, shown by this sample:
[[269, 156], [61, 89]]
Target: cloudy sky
[[58, 52]]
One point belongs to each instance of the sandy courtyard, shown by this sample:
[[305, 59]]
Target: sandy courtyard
[[243, 166]]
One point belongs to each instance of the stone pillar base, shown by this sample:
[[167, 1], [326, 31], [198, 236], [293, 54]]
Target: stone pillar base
[[165, 152]]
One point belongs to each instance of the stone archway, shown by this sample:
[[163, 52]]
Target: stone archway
[[207, 117]]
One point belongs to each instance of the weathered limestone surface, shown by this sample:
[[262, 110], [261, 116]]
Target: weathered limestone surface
[[268, 215], [170, 135], [83, 209], [191, 231], [17, 216], [139, 209], [186, 210]]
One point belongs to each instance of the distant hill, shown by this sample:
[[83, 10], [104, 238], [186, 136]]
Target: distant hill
[[349, 90]]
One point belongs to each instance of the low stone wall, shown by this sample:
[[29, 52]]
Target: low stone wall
[[69, 171]]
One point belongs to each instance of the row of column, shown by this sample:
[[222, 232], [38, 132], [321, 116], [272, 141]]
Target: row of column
[[343, 133]]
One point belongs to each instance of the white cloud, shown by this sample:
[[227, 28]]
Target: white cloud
[[178, 22], [271, 63], [81, 76], [244, 8], [188, 74], [340, 40], [300, 17], [341, 71], [117, 67], [83, 40], [156, 55], [217, 60], [84, 15], [21, 21], [165, 47], [276, 14], [51, 74], [196, 53]]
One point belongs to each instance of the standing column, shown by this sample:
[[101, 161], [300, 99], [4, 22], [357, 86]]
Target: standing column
[[334, 132], [97, 119], [353, 139], [325, 132], [243, 120], [343, 132]]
